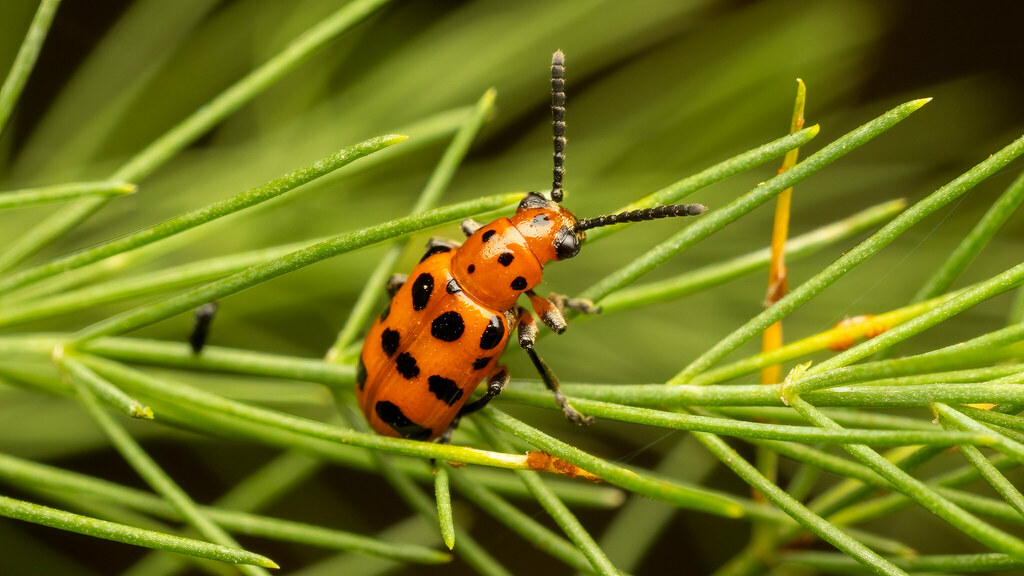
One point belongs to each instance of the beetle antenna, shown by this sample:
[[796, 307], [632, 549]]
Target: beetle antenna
[[558, 121], [641, 215]]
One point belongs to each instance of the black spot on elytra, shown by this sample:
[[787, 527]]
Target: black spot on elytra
[[453, 287], [421, 290], [487, 235], [435, 250], [541, 220], [392, 416], [519, 283], [389, 340], [444, 389], [448, 326], [506, 258], [471, 268], [384, 314], [481, 363], [406, 366], [493, 334], [361, 374]]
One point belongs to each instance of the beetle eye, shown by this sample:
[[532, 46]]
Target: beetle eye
[[567, 243], [532, 200]]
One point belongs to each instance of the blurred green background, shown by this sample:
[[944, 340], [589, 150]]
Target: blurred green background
[[657, 90]]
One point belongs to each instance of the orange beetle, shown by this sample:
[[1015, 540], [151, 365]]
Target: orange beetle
[[450, 319]]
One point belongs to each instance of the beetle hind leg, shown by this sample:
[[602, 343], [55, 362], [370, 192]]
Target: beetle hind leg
[[495, 384], [203, 318]]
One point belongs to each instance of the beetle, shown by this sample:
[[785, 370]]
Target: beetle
[[449, 320]]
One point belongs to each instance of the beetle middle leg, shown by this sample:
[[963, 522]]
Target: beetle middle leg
[[527, 329], [469, 226]]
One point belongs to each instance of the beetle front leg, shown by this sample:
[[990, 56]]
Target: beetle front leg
[[527, 329], [581, 305], [550, 314]]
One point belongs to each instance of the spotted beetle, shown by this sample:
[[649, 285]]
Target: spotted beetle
[[449, 320]]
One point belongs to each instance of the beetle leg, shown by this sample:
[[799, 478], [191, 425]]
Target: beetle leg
[[469, 226], [548, 312], [201, 326], [527, 329], [581, 305], [438, 242], [495, 384], [395, 283]]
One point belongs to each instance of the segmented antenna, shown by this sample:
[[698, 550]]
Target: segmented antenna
[[641, 215], [558, 121]]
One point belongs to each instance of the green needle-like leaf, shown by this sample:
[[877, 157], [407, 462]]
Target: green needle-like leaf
[[716, 219], [219, 209], [206, 117], [731, 427], [1000, 483], [254, 275], [96, 528], [992, 287], [199, 402], [123, 288], [974, 242], [151, 472], [443, 494], [42, 478], [796, 510], [104, 390], [363, 309], [62, 193], [944, 564], [736, 165], [851, 259], [525, 525], [555, 508], [676, 493], [715, 274], [921, 493], [25, 61]]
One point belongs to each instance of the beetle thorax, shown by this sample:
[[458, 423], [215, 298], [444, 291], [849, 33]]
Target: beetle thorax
[[496, 264]]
